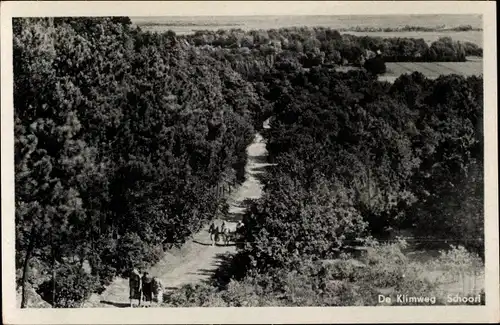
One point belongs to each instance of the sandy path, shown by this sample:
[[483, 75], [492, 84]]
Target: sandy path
[[197, 259]]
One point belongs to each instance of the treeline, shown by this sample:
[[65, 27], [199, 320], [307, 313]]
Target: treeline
[[409, 28], [124, 142], [357, 161], [320, 45], [184, 23]]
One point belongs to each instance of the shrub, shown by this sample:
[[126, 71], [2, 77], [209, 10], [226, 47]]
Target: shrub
[[375, 65], [72, 287], [445, 49], [457, 264], [472, 49], [340, 282]]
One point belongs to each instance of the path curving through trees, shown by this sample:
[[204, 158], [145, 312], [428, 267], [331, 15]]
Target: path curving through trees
[[197, 260]]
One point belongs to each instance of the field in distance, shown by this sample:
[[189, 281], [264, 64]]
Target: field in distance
[[473, 66], [188, 25]]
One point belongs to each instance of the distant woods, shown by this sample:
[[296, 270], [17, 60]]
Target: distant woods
[[407, 28], [126, 141], [320, 45]]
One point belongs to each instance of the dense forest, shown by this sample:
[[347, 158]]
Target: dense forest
[[127, 142], [123, 142]]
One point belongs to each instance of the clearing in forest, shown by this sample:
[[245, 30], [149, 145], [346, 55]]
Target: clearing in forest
[[473, 66]]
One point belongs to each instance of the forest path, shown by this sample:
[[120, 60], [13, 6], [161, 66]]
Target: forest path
[[197, 260]]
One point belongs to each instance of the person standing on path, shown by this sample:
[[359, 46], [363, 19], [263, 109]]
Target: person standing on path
[[147, 287], [213, 232], [239, 236], [158, 290], [135, 287]]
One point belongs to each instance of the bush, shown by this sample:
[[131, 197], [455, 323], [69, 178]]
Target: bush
[[389, 268], [72, 287], [445, 49], [375, 65], [472, 49], [457, 264]]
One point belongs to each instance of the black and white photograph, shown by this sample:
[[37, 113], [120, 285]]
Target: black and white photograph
[[249, 154]]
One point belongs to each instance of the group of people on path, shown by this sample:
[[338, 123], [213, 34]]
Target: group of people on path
[[145, 288], [225, 232], [148, 289]]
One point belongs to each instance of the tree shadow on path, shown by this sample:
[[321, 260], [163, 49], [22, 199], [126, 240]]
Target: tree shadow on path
[[116, 304], [258, 159], [219, 244], [171, 288], [227, 268], [200, 243]]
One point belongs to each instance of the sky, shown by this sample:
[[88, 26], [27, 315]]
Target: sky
[[241, 8]]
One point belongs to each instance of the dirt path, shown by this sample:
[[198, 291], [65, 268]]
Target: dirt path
[[197, 259]]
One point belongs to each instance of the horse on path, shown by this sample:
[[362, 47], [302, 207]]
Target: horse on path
[[230, 230]]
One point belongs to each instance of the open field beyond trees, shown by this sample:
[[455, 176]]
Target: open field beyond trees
[[431, 28], [474, 67]]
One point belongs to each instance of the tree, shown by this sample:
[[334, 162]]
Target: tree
[[375, 65], [50, 154], [291, 224]]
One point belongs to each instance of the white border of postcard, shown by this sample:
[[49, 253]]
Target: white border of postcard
[[13, 315]]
